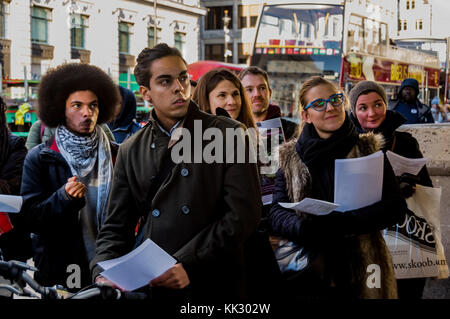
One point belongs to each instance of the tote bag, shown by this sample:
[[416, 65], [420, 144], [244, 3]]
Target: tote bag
[[415, 244]]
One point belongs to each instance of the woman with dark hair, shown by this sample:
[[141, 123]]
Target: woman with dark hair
[[339, 247], [369, 113], [221, 88], [220, 92], [66, 180]]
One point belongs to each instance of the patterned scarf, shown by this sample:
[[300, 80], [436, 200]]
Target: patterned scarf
[[82, 153]]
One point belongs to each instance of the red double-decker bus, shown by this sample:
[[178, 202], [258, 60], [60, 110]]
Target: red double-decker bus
[[296, 40]]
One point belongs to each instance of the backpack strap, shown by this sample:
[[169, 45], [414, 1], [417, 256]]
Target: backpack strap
[[42, 130]]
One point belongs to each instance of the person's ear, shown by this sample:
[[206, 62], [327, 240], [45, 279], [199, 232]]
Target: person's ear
[[145, 93], [305, 116]]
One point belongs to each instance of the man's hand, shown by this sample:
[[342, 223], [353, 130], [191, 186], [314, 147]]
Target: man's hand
[[174, 278], [74, 188]]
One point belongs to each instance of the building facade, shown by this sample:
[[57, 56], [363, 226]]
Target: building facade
[[38, 34], [244, 18]]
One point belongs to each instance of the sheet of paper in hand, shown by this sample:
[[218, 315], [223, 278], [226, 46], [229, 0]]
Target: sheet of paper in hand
[[401, 164], [137, 268], [358, 182], [10, 203], [311, 206]]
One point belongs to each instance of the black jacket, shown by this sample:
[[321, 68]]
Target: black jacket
[[202, 214], [343, 244], [52, 216], [15, 244], [424, 116]]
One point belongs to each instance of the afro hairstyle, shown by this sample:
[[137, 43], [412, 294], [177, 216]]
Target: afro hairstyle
[[59, 83]]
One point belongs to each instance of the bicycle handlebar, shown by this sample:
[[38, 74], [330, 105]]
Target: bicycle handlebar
[[108, 292], [16, 271]]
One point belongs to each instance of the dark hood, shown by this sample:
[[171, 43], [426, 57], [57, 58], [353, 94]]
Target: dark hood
[[128, 110]]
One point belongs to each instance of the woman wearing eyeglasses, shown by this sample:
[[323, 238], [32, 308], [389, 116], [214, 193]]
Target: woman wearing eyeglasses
[[346, 254]]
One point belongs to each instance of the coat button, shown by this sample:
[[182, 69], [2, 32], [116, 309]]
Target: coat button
[[185, 209], [184, 172], [155, 213]]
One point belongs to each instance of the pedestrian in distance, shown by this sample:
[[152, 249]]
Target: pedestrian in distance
[[66, 180], [369, 113], [200, 213], [124, 124], [439, 111], [340, 245], [409, 105]]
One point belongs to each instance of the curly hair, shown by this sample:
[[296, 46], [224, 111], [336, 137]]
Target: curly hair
[[210, 80], [59, 83]]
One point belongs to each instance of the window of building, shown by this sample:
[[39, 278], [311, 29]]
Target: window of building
[[77, 30], [39, 24], [180, 40], [420, 24], [214, 17], [399, 25], [248, 16], [2, 20], [413, 4], [216, 51], [243, 55], [151, 36], [405, 25], [407, 5], [242, 22], [124, 37]]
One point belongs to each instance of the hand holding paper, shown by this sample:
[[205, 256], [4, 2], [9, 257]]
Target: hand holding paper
[[401, 164], [10, 203], [174, 278], [139, 267], [311, 206]]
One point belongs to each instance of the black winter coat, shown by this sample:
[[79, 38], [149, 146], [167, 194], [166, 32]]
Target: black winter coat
[[52, 216], [202, 214], [343, 243], [16, 243]]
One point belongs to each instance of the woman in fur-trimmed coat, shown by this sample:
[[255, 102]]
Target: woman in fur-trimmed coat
[[341, 246]]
